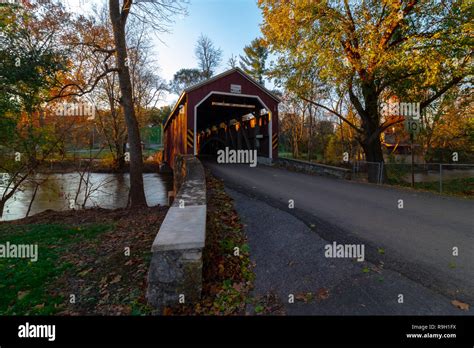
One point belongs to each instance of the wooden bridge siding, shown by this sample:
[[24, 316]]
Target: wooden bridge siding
[[175, 139]]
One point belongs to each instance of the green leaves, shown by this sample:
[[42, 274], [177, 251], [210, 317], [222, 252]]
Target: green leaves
[[253, 63]]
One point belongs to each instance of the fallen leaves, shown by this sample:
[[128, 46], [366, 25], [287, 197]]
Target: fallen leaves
[[269, 304], [83, 273], [39, 306], [461, 305], [304, 297], [167, 311], [322, 294], [307, 297], [227, 277], [116, 279], [22, 294], [105, 280]]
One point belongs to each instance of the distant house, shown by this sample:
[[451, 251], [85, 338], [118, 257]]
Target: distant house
[[395, 139]]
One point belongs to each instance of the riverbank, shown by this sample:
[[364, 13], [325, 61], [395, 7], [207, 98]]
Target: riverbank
[[76, 190], [95, 262], [90, 262]]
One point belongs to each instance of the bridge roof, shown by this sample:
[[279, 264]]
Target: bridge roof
[[214, 80], [228, 72]]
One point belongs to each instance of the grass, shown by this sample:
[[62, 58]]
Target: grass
[[23, 287], [458, 187], [315, 157], [81, 253]]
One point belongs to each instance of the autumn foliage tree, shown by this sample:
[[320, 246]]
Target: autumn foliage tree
[[32, 62], [157, 15], [448, 127], [369, 50]]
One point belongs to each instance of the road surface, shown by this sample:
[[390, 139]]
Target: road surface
[[416, 240]]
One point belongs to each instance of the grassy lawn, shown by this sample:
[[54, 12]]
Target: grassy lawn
[[81, 253], [83, 266], [24, 282], [458, 187]]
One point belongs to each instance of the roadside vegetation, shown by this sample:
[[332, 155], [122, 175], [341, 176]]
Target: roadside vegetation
[[463, 187], [90, 262], [227, 276]]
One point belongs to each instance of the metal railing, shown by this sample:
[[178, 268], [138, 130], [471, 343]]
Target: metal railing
[[451, 177], [361, 169]]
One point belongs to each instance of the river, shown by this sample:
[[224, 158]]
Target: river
[[58, 192]]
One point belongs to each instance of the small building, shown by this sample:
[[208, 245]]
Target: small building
[[228, 110]]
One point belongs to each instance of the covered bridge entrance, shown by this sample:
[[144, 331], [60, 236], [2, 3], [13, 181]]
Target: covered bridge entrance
[[229, 110]]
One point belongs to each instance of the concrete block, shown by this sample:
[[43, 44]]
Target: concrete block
[[183, 228]]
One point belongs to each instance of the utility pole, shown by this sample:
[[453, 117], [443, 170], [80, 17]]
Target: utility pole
[[412, 161]]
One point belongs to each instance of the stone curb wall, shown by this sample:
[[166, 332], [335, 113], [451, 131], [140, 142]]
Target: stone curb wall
[[313, 168], [175, 274]]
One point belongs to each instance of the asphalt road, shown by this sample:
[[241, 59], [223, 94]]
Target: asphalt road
[[290, 261], [417, 240]]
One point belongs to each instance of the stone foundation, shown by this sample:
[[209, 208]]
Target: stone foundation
[[175, 274], [313, 168]]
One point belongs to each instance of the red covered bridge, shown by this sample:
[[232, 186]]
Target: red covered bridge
[[229, 110]]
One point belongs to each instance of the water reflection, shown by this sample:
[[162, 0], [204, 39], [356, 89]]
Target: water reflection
[[58, 192]]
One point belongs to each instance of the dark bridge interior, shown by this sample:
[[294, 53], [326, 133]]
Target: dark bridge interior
[[236, 122]]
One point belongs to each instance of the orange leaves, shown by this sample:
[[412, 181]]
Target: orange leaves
[[461, 305], [322, 294], [307, 297]]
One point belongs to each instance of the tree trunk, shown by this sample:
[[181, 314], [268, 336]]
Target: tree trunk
[[2, 207], [374, 157], [32, 200], [370, 141], [295, 148], [6, 197], [310, 133], [119, 159], [137, 192]]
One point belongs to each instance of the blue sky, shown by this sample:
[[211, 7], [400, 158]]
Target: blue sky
[[230, 24]]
